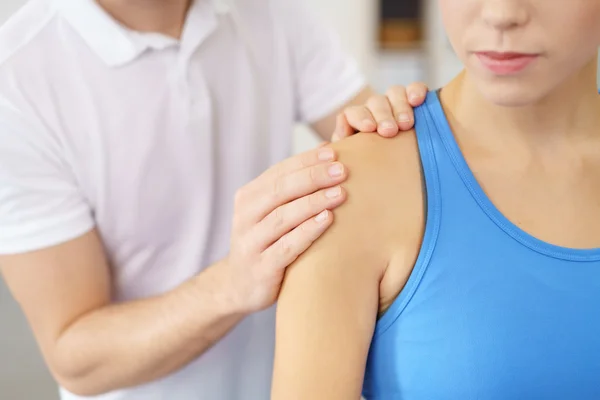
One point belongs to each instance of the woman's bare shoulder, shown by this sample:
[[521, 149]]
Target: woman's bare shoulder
[[385, 206], [381, 217], [384, 185]]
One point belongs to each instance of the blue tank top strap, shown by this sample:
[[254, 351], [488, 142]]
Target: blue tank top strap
[[425, 129]]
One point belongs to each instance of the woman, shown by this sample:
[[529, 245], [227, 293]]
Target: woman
[[483, 281]]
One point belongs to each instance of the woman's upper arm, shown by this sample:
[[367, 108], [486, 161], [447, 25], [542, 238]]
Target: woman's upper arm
[[325, 320], [328, 305]]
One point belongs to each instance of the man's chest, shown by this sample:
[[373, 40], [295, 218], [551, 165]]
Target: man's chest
[[159, 154]]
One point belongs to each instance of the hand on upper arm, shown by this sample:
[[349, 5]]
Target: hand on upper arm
[[56, 286]]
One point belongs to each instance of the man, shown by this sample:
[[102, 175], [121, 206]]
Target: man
[[127, 129]]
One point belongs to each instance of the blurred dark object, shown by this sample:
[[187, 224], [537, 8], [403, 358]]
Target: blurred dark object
[[401, 24]]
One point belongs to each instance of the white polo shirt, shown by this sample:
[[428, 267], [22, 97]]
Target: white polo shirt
[[147, 138]]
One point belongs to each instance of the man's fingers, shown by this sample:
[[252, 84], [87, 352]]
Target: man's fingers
[[360, 119], [382, 112], [416, 93], [284, 219], [342, 128], [290, 246], [262, 186], [269, 194], [401, 108], [322, 154]]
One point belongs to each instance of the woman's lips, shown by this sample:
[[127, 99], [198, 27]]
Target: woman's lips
[[505, 63]]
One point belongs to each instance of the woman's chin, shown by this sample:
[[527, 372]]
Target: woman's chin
[[509, 94]]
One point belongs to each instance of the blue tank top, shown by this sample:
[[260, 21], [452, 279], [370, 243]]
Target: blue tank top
[[489, 311]]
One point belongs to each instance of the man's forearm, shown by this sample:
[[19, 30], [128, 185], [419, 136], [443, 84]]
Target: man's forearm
[[129, 344]]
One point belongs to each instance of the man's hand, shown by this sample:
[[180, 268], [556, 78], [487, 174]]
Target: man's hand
[[386, 115], [277, 217]]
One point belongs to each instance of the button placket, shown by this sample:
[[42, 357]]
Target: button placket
[[202, 130]]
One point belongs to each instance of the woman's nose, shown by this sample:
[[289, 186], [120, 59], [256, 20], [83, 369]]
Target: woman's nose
[[505, 14]]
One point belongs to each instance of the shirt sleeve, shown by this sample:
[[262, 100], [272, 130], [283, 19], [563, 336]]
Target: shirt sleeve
[[326, 77], [40, 203]]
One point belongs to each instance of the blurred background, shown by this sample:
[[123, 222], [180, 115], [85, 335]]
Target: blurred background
[[394, 41]]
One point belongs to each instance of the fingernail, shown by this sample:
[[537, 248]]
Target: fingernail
[[326, 154], [388, 125], [404, 117], [413, 97], [333, 192], [322, 216], [336, 170]]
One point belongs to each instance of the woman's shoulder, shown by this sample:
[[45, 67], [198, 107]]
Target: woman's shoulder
[[367, 250], [384, 207], [370, 151], [386, 202], [383, 173]]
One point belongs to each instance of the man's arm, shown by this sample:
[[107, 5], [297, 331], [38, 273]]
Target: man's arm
[[54, 265], [92, 346]]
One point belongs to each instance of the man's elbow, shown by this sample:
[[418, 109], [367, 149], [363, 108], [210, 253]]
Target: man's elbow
[[78, 375]]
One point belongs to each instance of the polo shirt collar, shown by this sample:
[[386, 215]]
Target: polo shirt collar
[[118, 45]]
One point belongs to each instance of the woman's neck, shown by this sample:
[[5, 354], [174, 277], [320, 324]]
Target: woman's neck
[[571, 113], [161, 16]]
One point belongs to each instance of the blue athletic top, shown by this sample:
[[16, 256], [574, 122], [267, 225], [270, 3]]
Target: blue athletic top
[[489, 311]]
